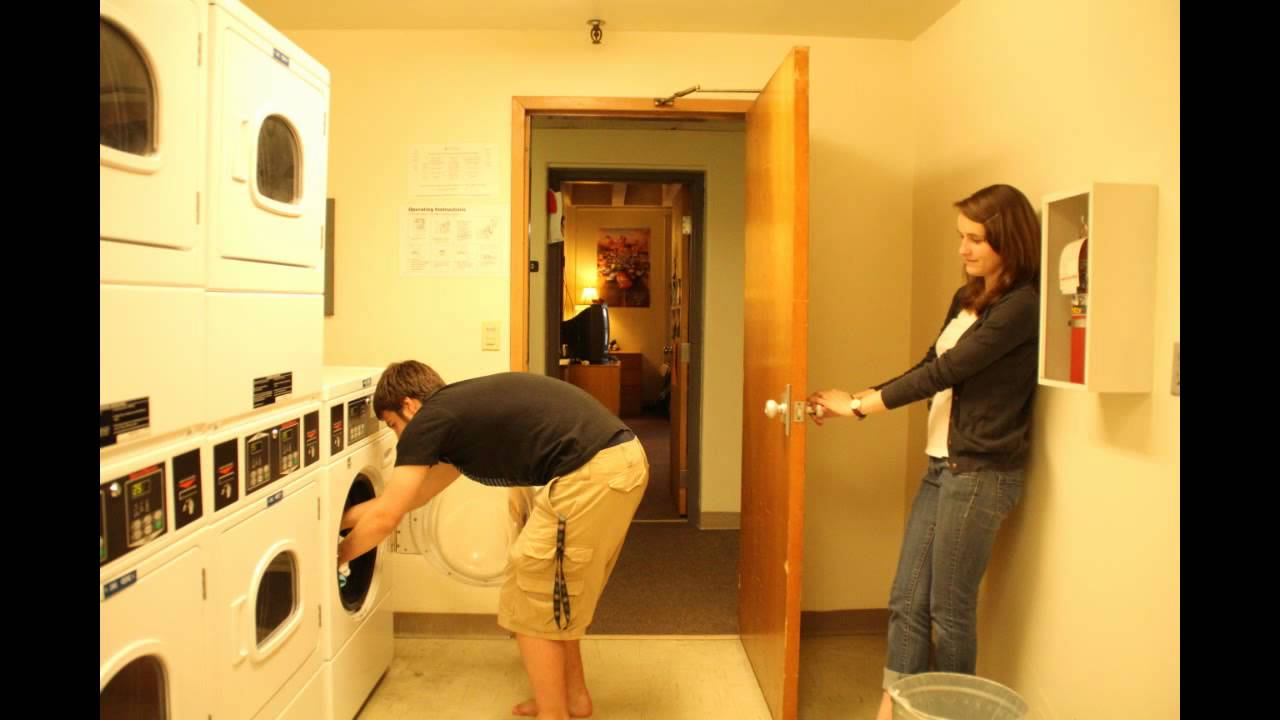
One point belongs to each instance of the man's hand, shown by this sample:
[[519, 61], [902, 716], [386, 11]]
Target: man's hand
[[352, 515]]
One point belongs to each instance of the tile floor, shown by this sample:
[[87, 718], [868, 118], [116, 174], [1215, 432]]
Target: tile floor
[[631, 678]]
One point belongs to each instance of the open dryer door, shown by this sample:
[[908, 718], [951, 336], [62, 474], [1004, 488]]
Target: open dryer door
[[466, 531]]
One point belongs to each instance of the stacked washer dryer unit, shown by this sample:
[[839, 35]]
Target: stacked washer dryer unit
[[153, 497], [212, 156], [356, 622], [267, 173]]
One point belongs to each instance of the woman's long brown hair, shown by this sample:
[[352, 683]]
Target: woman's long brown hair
[[1013, 232]]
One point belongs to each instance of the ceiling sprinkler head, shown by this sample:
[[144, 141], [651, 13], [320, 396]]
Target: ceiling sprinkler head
[[596, 33]]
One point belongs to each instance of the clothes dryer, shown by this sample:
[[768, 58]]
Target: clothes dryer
[[152, 144], [268, 157], [465, 535]]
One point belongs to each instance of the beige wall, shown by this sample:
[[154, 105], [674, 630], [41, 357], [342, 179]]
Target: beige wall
[[861, 161], [1080, 608], [720, 156], [394, 89], [637, 329]]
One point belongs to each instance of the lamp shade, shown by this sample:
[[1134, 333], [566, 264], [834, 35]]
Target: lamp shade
[[589, 295]]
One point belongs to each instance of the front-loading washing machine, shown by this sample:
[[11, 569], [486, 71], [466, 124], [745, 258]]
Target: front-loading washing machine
[[268, 157], [250, 458], [153, 506], [265, 559], [151, 643], [152, 144], [264, 599], [357, 633], [148, 498], [346, 403]]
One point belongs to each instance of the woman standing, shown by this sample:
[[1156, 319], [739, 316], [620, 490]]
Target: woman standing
[[980, 378]]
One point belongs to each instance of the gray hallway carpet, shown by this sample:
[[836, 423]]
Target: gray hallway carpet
[[672, 579]]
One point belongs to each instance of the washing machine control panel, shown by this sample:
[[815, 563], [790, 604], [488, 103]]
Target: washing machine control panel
[[287, 447], [361, 422], [257, 461], [276, 452], [132, 511]]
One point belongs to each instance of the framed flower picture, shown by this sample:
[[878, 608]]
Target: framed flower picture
[[622, 265]]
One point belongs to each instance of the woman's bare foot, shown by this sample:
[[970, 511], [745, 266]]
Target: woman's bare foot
[[579, 707]]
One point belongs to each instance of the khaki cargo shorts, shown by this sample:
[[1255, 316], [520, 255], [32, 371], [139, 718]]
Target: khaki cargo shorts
[[596, 502]]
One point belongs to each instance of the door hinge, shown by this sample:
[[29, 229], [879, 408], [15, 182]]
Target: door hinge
[[317, 508], [320, 616], [204, 586], [199, 49]]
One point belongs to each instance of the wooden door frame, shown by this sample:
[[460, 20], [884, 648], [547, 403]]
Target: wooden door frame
[[523, 108]]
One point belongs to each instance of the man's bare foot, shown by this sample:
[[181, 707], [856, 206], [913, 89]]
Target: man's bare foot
[[886, 708], [579, 707]]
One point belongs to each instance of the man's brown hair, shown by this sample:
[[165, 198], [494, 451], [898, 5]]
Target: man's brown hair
[[401, 380]]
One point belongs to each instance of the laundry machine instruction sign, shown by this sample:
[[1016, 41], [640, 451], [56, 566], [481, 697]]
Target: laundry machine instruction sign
[[267, 389], [117, 420]]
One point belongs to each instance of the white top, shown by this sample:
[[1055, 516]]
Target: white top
[[940, 411]]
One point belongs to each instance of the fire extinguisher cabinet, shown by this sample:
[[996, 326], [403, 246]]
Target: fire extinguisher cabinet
[[1097, 335]]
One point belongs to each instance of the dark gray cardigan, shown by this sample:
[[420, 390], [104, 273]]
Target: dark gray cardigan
[[992, 375]]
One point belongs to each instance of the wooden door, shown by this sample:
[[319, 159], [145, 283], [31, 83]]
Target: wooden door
[[776, 336], [678, 336]]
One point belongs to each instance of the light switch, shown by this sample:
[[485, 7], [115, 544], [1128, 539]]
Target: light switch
[[489, 336]]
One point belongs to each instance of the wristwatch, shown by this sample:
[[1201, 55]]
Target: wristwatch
[[854, 406]]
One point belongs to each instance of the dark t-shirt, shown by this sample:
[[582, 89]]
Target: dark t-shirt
[[508, 429]]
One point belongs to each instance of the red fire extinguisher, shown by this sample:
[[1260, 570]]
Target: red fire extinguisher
[[1079, 309]]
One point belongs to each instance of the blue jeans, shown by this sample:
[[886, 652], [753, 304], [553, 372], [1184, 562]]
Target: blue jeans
[[948, 543]]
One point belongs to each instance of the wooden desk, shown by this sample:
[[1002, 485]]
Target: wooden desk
[[604, 382], [632, 388]]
